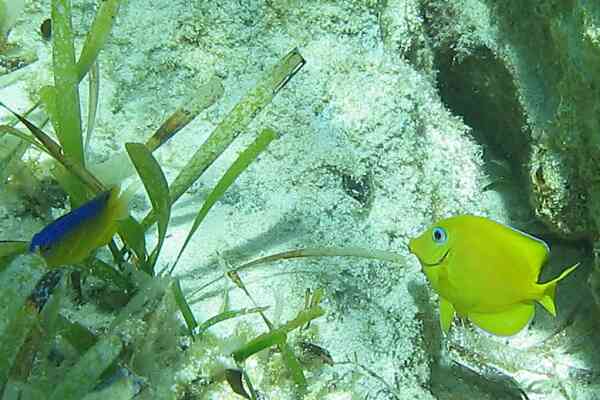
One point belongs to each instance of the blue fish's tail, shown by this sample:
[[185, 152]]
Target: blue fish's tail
[[119, 201], [549, 291], [127, 194]]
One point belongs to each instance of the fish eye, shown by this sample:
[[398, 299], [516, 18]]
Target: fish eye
[[439, 235]]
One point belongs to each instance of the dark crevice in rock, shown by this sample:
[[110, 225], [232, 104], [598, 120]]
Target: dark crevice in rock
[[481, 90]]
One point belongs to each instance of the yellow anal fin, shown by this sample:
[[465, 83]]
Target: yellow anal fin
[[446, 314], [505, 323]]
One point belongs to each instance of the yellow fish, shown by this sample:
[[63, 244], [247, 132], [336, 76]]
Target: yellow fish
[[486, 272], [71, 238]]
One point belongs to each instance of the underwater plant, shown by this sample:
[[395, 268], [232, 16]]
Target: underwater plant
[[47, 355], [97, 214]]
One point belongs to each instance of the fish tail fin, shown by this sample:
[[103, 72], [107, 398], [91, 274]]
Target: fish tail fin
[[117, 209], [121, 201], [549, 291], [122, 207]]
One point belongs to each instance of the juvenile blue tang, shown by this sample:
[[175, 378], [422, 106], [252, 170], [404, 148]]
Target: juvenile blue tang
[[486, 272], [73, 236]]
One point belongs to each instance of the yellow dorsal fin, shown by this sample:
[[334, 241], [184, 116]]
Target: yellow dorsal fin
[[533, 250]]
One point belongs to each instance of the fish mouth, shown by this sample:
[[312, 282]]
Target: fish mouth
[[441, 260]]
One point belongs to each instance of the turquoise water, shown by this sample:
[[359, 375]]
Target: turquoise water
[[401, 113]]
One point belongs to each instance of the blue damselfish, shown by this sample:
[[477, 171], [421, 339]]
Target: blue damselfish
[[72, 237]]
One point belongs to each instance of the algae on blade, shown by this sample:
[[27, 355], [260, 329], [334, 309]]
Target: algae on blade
[[84, 376], [207, 95], [157, 188], [97, 35], [65, 93], [233, 124], [239, 165]]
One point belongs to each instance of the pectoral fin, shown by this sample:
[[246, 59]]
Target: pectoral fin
[[505, 323], [446, 314]]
